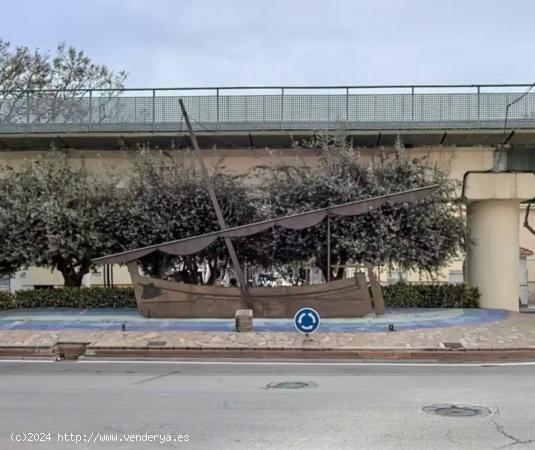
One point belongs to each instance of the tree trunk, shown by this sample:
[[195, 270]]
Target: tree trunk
[[72, 279], [212, 264], [338, 275], [323, 268], [189, 273]]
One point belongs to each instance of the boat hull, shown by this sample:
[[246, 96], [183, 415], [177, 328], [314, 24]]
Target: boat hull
[[166, 299]]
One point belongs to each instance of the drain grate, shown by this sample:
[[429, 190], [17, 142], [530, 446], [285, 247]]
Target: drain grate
[[291, 385], [453, 345], [156, 343], [450, 410]]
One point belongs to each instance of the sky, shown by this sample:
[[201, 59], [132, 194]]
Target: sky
[[179, 43]]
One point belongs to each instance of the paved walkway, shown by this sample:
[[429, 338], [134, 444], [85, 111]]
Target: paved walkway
[[515, 331]]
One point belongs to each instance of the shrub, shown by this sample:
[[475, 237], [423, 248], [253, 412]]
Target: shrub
[[399, 295], [404, 295], [94, 297], [6, 300]]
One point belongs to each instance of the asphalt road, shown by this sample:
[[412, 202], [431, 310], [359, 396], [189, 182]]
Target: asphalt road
[[226, 405]]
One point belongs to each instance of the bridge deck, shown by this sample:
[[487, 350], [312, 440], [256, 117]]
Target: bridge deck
[[258, 139], [426, 115]]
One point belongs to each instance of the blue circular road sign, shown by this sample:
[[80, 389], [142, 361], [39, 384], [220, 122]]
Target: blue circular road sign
[[307, 320]]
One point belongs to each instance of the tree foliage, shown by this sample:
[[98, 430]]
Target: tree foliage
[[53, 214], [422, 236], [56, 215], [44, 87], [166, 199], [49, 216]]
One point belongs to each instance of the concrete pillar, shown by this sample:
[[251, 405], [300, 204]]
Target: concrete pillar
[[493, 258], [493, 221]]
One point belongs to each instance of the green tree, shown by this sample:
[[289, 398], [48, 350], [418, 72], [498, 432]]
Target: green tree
[[51, 216], [44, 87], [422, 236], [165, 198]]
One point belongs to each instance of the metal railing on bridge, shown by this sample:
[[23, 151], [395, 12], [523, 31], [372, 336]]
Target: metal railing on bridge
[[259, 108]]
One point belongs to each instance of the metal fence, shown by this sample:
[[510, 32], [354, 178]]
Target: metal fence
[[270, 108]]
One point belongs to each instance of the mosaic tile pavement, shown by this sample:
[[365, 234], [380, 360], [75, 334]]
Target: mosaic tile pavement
[[50, 319]]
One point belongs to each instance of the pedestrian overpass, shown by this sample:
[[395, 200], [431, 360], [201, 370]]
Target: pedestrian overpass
[[258, 116]]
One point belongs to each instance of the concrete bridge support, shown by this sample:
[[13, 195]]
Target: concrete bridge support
[[493, 221]]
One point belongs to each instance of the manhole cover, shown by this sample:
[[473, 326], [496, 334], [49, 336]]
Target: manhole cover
[[291, 385], [449, 410]]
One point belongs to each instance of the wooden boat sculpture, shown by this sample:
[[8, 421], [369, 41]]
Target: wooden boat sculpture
[[341, 298], [160, 298]]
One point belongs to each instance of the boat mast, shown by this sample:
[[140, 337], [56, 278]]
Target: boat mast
[[217, 208]]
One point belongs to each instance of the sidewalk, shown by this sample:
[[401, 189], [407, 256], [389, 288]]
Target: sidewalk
[[510, 338]]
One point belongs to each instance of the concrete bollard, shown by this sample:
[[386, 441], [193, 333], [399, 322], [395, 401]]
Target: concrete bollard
[[244, 320]]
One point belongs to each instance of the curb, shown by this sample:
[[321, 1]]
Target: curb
[[8, 351], [74, 350], [364, 354]]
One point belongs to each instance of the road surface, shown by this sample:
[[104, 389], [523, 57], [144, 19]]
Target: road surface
[[227, 405]]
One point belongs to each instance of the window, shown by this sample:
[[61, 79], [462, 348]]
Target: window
[[456, 276], [395, 276]]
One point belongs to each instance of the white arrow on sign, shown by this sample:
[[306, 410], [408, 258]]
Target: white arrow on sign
[[306, 327]]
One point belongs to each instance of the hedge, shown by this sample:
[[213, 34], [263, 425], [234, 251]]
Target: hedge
[[400, 295], [94, 297], [404, 295], [6, 300]]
